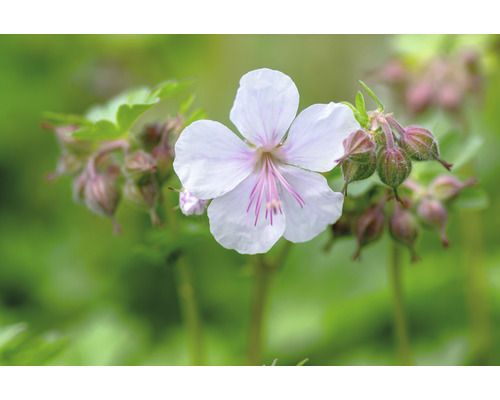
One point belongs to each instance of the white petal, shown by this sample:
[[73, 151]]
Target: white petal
[[211, 160], [315, 138], [266, 104], [322, 205], [234, 227]]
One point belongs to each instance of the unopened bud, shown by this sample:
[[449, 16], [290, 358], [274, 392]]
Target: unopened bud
[[393, 72], [151, 135], [419, 97], [102, 196], [358, 146], [68, 164], [447, 188], [145, 194], [393, 166], [449, 97], [163, 157], [353, 171], [79, 184], [190, 204], [369, 227], [140, 161], [433, 213], [421, 145], [404, 227], [341, 228]]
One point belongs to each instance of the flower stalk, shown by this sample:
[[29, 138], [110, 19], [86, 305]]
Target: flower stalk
[[400, 327]]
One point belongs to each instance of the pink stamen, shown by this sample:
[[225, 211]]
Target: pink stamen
[[267, 183]]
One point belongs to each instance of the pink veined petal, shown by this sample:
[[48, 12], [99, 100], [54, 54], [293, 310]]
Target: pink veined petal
[[315, 138], [322, 206], [265, 105], [245, 229], [211, 160]]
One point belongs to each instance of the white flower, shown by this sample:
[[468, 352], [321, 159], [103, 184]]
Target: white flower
[[263, 188], [189, 204]]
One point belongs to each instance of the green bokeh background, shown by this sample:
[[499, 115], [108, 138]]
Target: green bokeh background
[[84, 297]]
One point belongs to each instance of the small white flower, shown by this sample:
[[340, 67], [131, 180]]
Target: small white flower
[[263, 188], [190, 204]]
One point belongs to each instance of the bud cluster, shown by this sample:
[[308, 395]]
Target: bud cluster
[[366, 217], [106, 172], [388, 149], [441, 82]]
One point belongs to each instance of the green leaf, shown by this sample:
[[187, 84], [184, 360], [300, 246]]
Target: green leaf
[[301, 363], [101, 130], [65, 119], [115, 118], [196, 115], [346, 103], [372, 95], [186, 104]]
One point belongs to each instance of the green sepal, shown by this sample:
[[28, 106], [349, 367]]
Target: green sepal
[[372, 95]]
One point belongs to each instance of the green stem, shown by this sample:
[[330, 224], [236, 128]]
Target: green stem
[[263, 270], [186, 292], [190, 312], [476, 289], [401, 332]]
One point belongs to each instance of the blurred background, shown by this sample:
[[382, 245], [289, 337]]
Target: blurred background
[[71, 293]]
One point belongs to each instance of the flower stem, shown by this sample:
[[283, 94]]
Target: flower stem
[[401, 332], [264, 270], [189, 308], [186, 292]]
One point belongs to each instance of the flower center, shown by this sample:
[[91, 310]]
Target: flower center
[[267, 186]]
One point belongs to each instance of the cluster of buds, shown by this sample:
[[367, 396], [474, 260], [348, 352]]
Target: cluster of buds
[[441, 82], [105, 172], [366, 217], [389, 149]]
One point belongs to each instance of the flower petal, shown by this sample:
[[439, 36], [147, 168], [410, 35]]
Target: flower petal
[[266, 104], [322, 206], [315, 138], [234, 227], [211, 160]]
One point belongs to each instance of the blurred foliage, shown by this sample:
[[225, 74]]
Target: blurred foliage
[[73, 294]]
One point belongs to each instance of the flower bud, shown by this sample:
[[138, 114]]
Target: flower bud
[[145, 194], [433, 213], [419, 97], [353, 171], [341, 228], [447, 188], [68, 164], [358, 146], [393, 166], [449, 97], [190, 204], [102, 196], [368, 228], [404, 227], [421, 145], [79, 184], [151, 135], [140, 161], [163, 157]]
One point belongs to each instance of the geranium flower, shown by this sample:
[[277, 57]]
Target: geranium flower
[[262, 187]]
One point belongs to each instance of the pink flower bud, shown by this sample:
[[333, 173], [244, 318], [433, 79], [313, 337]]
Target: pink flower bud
[[404, 227], [368, 228], [68, 164], [421, 145], [102, 196], [140, 161], [433, 213], [353, 171], [447, 187], [79, 184], [393, 166], [190, 204], [145, 194], [419, 96], [358, 146], [450, 97]]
